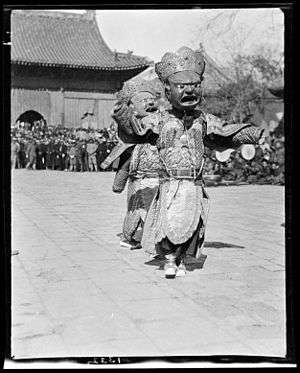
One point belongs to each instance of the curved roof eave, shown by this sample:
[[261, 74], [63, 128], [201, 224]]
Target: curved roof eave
[[82, 67], [57, 40]]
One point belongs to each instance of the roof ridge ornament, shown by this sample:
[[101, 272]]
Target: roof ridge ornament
[[201, 48], [90, 14], [116, 55]]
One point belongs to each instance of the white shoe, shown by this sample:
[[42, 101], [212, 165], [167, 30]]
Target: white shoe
[[181, 270], [125, 244], [170, 268], [170, 272]]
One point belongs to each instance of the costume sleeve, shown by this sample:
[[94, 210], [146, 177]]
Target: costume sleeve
[[122, 173], [122, 114], [248, 135], [221, 135]]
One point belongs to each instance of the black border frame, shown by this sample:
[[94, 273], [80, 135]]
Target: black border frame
[[289, 11]]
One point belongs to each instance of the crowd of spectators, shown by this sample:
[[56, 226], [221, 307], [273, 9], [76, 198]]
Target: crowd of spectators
[[266, 167], [79, 150], [65, 149]]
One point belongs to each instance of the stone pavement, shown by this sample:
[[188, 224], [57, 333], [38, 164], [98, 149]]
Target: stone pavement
[[76, 292]]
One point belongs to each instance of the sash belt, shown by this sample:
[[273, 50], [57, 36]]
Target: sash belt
[[192, 173], [147, 174]]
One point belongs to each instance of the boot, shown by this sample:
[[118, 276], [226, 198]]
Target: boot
[[170, 266]]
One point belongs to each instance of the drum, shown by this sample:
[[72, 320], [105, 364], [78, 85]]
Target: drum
[[248, 151], [224, 155]]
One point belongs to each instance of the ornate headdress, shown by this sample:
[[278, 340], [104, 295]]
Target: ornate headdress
[[185, 59], [133, 87]]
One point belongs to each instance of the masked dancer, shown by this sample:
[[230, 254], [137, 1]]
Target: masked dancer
[[176, 220], [137, 116]]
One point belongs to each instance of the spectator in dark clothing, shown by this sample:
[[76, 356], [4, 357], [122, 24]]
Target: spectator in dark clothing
[[57, 157], [43, 149], [102, 152], [73, 155], [228, 171], [31, 155], [82, 155], [62, 152], [280, 161], [91, 149], [264, 172], [39, 162], [22, 155], [51, 155], [239, 167], [254, 172]]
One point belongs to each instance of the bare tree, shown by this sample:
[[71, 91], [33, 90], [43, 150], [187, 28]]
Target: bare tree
[[251, 77], [229, 32], [251, 52]]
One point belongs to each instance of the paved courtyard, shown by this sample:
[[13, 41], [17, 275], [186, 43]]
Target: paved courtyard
[[76, 292]]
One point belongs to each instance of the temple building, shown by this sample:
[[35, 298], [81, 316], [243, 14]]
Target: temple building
[[63, 71]]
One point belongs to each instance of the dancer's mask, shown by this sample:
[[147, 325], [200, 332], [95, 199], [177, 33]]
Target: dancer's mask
[[136, 101], [182, 74]]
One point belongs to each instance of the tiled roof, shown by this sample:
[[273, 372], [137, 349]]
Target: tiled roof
[[64, 39]]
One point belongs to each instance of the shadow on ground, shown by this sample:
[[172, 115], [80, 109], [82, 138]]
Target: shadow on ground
[[222, 245], [192, 263]]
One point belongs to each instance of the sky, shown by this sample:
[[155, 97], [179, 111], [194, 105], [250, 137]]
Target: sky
[[222, 32]]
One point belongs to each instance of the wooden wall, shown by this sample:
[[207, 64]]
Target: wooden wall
[[62, 96], [66, 108], [23, 100], [78, 103]]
